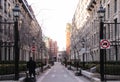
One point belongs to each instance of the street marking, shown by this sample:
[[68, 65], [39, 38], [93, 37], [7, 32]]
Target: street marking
[[42, 77], [77, 78]]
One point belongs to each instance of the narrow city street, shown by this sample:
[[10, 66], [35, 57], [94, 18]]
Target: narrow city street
[[58, 73]]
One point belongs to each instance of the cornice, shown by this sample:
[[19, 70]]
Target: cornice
[[26, 6]]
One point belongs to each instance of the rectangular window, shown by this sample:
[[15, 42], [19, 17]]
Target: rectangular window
[[105, 15], [9, 9], [108, 31], [108, 10], [5, 6], [0, 4], [116, 28], [115, 6], [5, 27], [1, 24]]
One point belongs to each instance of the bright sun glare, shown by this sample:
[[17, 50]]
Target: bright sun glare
[[53, 16]]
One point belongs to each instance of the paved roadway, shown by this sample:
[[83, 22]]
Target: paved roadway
[[58, 73]]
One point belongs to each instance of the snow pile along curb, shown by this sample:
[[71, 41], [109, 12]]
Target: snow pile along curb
[[90, 76]]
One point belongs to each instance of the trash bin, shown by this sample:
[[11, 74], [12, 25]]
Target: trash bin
[[49, 66], [78, 73], [69, 67]]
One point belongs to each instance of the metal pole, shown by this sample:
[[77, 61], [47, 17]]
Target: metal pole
[[83, 45], [34, 56], [16, 48], [116, 49], [70, 61], [83, 61], [41, 58], [75, 60], [101, 53]]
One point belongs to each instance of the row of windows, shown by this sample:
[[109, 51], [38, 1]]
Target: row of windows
[[115, 8]]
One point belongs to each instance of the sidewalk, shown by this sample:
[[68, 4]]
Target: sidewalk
[[23, 78], [92, 76]]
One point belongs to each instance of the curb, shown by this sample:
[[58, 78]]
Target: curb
[[90, 76], [22, 79]]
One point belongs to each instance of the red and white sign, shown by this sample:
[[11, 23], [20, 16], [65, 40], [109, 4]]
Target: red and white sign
[[33, 48], [104, 44]]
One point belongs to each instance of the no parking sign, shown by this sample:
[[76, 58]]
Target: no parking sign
[[104, 44], [33, 48]]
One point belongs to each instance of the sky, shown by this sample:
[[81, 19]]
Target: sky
[[53, 15]]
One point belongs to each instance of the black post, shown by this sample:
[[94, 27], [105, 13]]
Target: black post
[[83, 55], [16, 48], [70, 62], [83, 61], [75, 60], [41, 58], [101, 53], [116, 49]]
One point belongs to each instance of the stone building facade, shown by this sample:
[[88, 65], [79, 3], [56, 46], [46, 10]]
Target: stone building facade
[[77, 34], [30, 31], [68, 29], [89, 29]]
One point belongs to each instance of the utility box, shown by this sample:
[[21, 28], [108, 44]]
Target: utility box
[[78, 73]]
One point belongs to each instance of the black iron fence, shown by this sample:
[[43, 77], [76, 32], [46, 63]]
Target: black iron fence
[[7, 63], [111, 32]]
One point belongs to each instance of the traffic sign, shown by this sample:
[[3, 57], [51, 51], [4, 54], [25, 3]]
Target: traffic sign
[[104, 44], [33, 48]]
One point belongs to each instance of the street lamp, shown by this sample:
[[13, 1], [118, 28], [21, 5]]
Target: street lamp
[[41, 47], [83, 46], [101, 13], [16, 11]]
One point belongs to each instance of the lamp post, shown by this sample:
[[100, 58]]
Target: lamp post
[[75, 59], [101, 13], [41, 46], [16, 12], [83, 46], [70, 63]]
